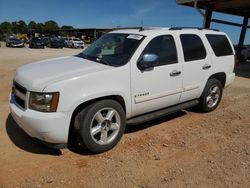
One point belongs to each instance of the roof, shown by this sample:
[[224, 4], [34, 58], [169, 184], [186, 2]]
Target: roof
[[155, 31], [235, 7]]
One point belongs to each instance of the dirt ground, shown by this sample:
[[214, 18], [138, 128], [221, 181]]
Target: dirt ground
[[185, 149]]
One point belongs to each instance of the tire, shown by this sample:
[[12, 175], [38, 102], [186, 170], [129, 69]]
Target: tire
[[211, 95], [100, 126]]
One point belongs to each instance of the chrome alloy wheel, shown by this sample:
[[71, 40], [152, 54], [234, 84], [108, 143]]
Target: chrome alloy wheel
[[213, 96], [105, 126]]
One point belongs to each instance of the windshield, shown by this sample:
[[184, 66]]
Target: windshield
[[36, 39], [15, 40], [113, 49], [55, 39]]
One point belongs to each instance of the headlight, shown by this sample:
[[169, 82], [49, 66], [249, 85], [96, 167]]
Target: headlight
[[43, 102]]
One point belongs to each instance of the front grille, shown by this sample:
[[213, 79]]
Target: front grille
[[19, 93]]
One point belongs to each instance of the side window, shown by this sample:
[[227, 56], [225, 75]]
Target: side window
[[164, 47], [220, 45], [193, 47]]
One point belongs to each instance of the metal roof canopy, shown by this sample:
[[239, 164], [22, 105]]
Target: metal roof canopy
[[233, 7]]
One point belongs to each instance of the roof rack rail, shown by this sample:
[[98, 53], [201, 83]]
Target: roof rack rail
[[199, 28], [140, 28]]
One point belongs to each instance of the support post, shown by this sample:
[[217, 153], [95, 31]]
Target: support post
[[207, 18], [95, 34], [242, 35]]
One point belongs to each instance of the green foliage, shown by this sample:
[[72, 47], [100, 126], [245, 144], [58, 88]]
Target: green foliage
[[22, 27], [40, 28], [32, 26], [5, 28], [48, 28]]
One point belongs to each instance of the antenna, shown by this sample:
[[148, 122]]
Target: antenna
[[141, 28]]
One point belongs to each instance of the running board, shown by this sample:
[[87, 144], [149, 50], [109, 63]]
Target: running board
[[160, 113]]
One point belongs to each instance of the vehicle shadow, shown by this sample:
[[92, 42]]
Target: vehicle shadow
[[74, 147], [243, 70], [24, 141], [33, 145], [130, 128]]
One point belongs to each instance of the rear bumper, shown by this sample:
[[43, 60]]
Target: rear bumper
[[230, 78], [48, 127]]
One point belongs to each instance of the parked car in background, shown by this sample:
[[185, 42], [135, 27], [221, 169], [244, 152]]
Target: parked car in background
[[45, 40], [36, 42], [13, 42], [55, 42], [245, 53], [75, 43], [66, 43]]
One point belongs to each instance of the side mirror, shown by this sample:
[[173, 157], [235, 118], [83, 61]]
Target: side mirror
[[148, 61]]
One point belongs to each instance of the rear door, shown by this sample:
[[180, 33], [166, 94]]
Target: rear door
[[196, 65]]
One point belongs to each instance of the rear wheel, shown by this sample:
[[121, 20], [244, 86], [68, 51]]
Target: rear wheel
[[101, 125], [211, 95]]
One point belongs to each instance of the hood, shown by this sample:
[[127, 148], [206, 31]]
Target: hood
[[16, 42], [36, 76]]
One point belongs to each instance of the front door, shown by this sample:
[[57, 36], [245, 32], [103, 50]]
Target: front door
[[160, 86]]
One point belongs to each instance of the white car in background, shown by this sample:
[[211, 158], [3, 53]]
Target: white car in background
[[75, 43]]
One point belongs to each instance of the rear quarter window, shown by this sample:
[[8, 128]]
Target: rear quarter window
[[220, 45]]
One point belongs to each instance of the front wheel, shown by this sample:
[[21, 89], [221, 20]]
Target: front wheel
[[100, 125], [211, 95]]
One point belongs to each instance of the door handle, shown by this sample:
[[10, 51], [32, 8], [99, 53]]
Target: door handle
[[175, 73], [206, 66]]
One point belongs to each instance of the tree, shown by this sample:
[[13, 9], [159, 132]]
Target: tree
[[40, 28], [50, 27], [32, 26], [14, 27], [22, 27], [65, 29], [5, 28]]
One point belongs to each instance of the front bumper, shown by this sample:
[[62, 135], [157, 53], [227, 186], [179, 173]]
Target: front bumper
[[78, 45], [48, 127], [17, 45], [37, 46]]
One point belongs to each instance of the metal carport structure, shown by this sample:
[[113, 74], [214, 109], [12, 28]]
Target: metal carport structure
[[233, 7]]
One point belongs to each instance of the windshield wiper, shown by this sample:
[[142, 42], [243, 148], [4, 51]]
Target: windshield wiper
[[95, 58], [103, 61], [81, 55]]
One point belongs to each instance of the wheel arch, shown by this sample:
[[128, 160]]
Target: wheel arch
[[221, 76], [81, 106]]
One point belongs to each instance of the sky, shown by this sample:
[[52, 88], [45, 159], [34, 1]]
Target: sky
[[113, 13]]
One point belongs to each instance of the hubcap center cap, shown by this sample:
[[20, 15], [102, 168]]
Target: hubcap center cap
[[105, 125]]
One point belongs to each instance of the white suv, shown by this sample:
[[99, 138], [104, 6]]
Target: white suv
[[75, 43], [126, 76]]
